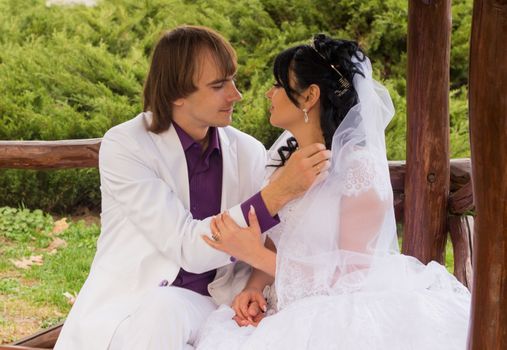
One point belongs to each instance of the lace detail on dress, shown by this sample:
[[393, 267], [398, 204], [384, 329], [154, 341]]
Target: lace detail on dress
[[295, 277], [299, 281], [362, 174]]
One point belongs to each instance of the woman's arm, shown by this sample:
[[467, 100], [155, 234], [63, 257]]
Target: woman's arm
[[361, 217], [260, 279]]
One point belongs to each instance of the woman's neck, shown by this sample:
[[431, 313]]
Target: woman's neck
[[307, 135]]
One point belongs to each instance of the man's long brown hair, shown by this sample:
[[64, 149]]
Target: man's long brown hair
[[175, 66]]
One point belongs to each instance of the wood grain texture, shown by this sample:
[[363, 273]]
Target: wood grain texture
[[45, 338], [428, 169], [49, 154], [461, 172], [84, 153], [488, 136], [461, 231], [20, 347], [461, 201]]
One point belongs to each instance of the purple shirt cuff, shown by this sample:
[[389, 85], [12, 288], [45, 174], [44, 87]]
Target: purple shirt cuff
[[266, 221]]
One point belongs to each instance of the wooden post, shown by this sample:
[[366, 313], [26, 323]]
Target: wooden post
[[428, 171], [488, 138]]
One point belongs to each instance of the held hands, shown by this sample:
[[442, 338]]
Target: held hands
[[250, 307], [228, 237]]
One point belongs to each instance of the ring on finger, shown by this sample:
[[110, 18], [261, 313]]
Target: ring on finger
[[215, 236]]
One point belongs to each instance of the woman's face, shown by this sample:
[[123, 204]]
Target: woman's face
[[284, 114]]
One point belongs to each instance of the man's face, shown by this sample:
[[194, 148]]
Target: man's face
[[212, 103]]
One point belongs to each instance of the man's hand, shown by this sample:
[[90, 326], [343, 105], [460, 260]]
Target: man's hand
[[295, 178], [250, 306]]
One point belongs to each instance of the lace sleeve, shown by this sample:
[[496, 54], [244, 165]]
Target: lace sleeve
[[361, 174]]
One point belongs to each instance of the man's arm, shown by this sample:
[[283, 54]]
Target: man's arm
[[152, 206], [156, 211]]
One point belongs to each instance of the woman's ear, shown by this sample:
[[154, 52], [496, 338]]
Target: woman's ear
[[312, 94]]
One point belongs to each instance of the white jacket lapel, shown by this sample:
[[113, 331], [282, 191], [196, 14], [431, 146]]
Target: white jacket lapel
[[174, 160], [230, 174]]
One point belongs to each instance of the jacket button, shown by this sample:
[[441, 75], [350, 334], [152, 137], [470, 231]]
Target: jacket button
[[163, 283]]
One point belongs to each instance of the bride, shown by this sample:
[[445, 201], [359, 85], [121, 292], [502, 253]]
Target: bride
[[341, 282]]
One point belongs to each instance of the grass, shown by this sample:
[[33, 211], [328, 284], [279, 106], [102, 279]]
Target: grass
[[33, 298]]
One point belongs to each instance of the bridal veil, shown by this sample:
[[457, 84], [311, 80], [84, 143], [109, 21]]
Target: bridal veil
[[344, 226]]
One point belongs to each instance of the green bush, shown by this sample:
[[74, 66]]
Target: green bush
[[73, 72], [52, 190]]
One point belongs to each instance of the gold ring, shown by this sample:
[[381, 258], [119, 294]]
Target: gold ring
[[215, 236]]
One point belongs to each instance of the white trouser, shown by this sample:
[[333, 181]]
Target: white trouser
[[168, 319]]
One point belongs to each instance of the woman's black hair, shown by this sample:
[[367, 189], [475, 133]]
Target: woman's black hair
[[328, 64]]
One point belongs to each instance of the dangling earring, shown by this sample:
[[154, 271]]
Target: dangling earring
[[306, 115]]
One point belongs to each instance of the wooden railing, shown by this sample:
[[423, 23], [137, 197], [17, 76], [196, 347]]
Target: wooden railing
[[49, 154], [84, 154]]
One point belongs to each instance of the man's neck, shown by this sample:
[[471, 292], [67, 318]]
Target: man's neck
[[198, 134]]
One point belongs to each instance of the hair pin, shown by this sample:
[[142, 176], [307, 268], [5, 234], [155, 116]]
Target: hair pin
[[345, 85]]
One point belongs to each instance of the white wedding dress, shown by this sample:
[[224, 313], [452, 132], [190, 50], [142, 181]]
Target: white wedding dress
[[341, 282]]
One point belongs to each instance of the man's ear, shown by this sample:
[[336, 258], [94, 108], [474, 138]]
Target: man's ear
[[179, 102], [312, 94]]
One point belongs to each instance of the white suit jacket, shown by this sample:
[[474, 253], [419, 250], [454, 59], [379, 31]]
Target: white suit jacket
[[148, 233]]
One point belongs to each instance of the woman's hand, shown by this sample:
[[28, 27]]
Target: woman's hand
[[249, 306], [243, 243]]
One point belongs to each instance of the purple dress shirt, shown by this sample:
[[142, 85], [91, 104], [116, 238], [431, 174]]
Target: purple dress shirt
[[205, 186]]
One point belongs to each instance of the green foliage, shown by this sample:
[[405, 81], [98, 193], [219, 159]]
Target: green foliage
[[22, 225], [461, 31], [51, 190], [460, 146], [73, 72]]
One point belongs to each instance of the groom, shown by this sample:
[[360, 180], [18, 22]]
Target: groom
[[164, 175]]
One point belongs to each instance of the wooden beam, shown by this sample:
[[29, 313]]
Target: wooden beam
[[460, 229], [462, 201], [45, 338], [428, 169], [461, 173], [49, 154], [17, 347], [84, 153], [488, 138]]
